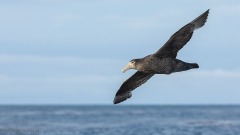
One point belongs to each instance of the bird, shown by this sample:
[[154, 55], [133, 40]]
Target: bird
[[163, 61]]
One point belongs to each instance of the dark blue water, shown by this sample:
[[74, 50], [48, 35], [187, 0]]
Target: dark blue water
[[119, 120]]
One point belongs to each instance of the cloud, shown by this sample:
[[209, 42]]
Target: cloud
[[84, 79], [11, 58], [102, 65], [217, 73], [30, 65]]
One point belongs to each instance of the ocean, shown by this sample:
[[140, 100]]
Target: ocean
[[119, 120]]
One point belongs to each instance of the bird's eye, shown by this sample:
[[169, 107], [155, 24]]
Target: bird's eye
[[132, 62]]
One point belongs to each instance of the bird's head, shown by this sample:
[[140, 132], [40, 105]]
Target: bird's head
[[132, 64]]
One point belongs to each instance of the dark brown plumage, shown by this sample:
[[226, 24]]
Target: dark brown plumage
[[162, 62]]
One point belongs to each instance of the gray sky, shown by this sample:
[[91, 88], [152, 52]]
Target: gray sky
[[72, 52]]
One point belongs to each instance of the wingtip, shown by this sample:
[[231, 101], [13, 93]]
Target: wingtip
[[208, 11], [200, 20], [120, 98], [115, 101]]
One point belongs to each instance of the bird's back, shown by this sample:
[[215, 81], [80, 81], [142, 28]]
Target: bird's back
[[155, 65]]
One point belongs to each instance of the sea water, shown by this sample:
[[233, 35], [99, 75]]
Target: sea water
[[119, 120]]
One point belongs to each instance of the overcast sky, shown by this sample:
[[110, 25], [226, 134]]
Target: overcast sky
[[72, 51]]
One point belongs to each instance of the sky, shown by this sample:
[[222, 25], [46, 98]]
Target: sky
[[73, 51]]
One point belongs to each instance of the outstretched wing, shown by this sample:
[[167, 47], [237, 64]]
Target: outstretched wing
[[130, 84], [181, 37]]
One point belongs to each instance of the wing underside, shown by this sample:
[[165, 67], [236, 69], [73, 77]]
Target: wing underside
[[130, 84]]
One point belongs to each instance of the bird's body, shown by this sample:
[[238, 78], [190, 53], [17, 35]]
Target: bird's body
[[152, 64], [164, 61]]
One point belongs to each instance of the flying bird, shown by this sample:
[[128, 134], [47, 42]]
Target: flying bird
[[162, 62]]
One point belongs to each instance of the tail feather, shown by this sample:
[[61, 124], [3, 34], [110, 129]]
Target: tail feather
[[194, 65]]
